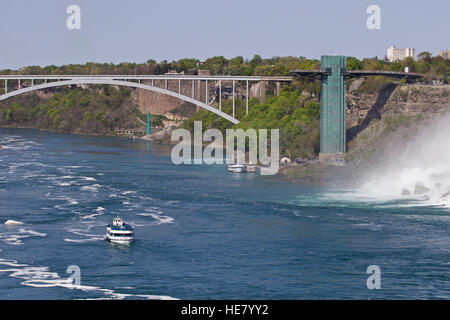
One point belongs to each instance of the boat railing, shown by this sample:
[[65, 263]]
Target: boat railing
[[123, 227]]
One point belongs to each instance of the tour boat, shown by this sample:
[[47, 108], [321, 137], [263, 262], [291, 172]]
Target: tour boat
[[119, 231], [238, 168]]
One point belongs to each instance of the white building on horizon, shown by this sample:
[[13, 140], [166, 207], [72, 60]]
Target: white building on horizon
[[445, 54], [394, 54]]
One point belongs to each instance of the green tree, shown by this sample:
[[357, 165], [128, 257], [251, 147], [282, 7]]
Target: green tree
[[256, 60], [425, 56], [9, 116], [354, 64], [396, 66], [410, 64]]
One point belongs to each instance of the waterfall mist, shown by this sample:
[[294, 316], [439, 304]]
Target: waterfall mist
[[419, 169]]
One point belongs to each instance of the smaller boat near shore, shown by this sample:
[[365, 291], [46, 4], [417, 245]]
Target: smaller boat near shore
[[241, 168], [237, 168], [119, 232]]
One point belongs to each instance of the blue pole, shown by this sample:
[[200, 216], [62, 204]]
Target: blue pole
[[148, 123]]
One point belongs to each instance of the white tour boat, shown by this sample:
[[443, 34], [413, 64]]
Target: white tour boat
[[119, 231]]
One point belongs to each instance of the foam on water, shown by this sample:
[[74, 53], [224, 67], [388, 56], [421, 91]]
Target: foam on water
[[16, 237], [17, 143], [85, 232], [160, 219], [99, 212], [64, 184], [88, 179], [92, 188], [42, 277], [90, 239]]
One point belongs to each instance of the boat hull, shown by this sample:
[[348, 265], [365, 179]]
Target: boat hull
[[119, 235], [121, 240], [236, 168]]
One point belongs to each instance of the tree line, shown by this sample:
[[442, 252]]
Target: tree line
[[433, 67]]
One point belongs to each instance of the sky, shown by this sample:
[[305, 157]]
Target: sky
[[35, 32]]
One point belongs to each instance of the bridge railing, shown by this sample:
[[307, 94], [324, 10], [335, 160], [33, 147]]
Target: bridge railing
[[358, 73], [149, 77]]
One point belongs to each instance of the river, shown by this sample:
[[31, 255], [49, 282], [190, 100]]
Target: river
[[201, 232]]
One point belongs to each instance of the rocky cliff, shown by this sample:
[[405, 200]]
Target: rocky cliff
[[406, 99], [376, 120]]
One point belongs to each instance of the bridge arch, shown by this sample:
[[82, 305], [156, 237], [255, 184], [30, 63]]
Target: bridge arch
[[119, 83]]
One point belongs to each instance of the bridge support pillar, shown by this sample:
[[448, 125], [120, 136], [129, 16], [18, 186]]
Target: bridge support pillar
[[262, 92], [278, 88], [148, 123], [246, 99], [333, 106], [233, 98], [220, 94]]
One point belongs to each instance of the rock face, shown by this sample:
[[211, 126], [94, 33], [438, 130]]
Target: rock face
[[181, 112], [408, 100], [381, 124], [161, 104], [157, 103]]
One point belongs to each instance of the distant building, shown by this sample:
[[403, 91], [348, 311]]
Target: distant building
[[445, 54], [394, 54], [174, 72], [204, 72]]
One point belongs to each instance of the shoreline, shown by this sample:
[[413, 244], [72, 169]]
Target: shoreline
[[68, 133], [320, 174]]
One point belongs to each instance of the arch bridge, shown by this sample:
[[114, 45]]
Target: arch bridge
[[146, 82]]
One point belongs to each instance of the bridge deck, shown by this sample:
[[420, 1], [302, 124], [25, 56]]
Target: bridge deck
[[353, 73], [146, 77]]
